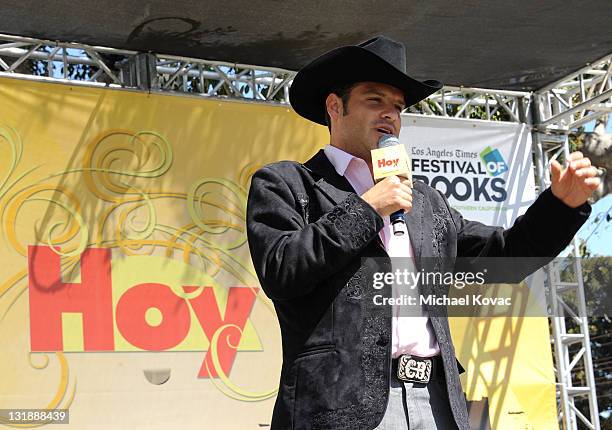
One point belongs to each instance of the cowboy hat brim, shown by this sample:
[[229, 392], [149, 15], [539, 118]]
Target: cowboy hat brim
[[345, 65]]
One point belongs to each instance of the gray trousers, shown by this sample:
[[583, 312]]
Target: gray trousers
[[417, 406]]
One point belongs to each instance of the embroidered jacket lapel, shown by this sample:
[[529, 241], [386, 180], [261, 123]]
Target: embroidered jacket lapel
[[334, 186]]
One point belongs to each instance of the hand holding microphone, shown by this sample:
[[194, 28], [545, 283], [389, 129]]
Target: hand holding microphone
[[392, 195]]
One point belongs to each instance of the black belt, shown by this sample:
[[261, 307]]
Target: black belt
[[420, 370]]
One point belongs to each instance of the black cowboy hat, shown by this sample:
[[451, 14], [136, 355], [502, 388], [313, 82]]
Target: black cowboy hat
[[378, 60]]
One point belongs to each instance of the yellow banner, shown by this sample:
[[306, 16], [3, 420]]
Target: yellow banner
[[127, 294]]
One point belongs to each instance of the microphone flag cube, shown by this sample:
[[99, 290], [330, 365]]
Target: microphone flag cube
[[391, 160]]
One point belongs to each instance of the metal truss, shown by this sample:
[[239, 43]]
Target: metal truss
[[93, 65], [100, 66], [212, 78], [557, 110], [576, 99], [54, 60], [566, 301], [461, 102]]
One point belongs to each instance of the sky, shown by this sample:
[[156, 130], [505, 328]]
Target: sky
[[589, 126]]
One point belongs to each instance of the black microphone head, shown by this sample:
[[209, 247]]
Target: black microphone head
[[388, 140]]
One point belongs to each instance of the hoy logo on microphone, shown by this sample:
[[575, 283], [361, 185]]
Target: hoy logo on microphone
[[383, 162], [390, 160]]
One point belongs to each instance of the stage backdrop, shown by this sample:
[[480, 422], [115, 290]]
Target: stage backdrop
[[127, 294]]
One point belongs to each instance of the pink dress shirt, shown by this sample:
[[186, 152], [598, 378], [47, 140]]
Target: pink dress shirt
[[411, 335]]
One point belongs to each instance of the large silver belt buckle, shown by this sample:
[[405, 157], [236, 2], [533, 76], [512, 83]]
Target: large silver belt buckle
[[414, 369]]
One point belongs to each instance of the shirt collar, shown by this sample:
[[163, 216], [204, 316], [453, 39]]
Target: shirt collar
[[339, 158]]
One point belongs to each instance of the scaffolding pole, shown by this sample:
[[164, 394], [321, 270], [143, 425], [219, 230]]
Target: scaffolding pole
[[548, 147]]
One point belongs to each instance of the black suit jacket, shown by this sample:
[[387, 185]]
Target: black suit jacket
[[315, 246]]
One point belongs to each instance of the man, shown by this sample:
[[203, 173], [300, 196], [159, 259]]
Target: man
[[318, 232]]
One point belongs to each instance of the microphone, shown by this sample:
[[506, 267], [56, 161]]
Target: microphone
[[391, 158]]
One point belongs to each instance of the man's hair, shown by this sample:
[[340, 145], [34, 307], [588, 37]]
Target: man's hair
[[344, 92]]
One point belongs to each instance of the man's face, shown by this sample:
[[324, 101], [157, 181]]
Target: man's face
[[373, 110]]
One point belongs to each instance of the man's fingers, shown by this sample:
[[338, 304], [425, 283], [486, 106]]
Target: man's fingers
[[400, 204], [579, 164], [592, 183], [587, 172], [406, 204], [575, 156], [403, 197], [389, 195], [406, 189], [555, 169], [574, 184], [406, 181]]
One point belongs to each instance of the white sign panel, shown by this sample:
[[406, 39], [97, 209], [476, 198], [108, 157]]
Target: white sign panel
[[484, 168]]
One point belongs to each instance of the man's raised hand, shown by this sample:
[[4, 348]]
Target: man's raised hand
[[574, 184]]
